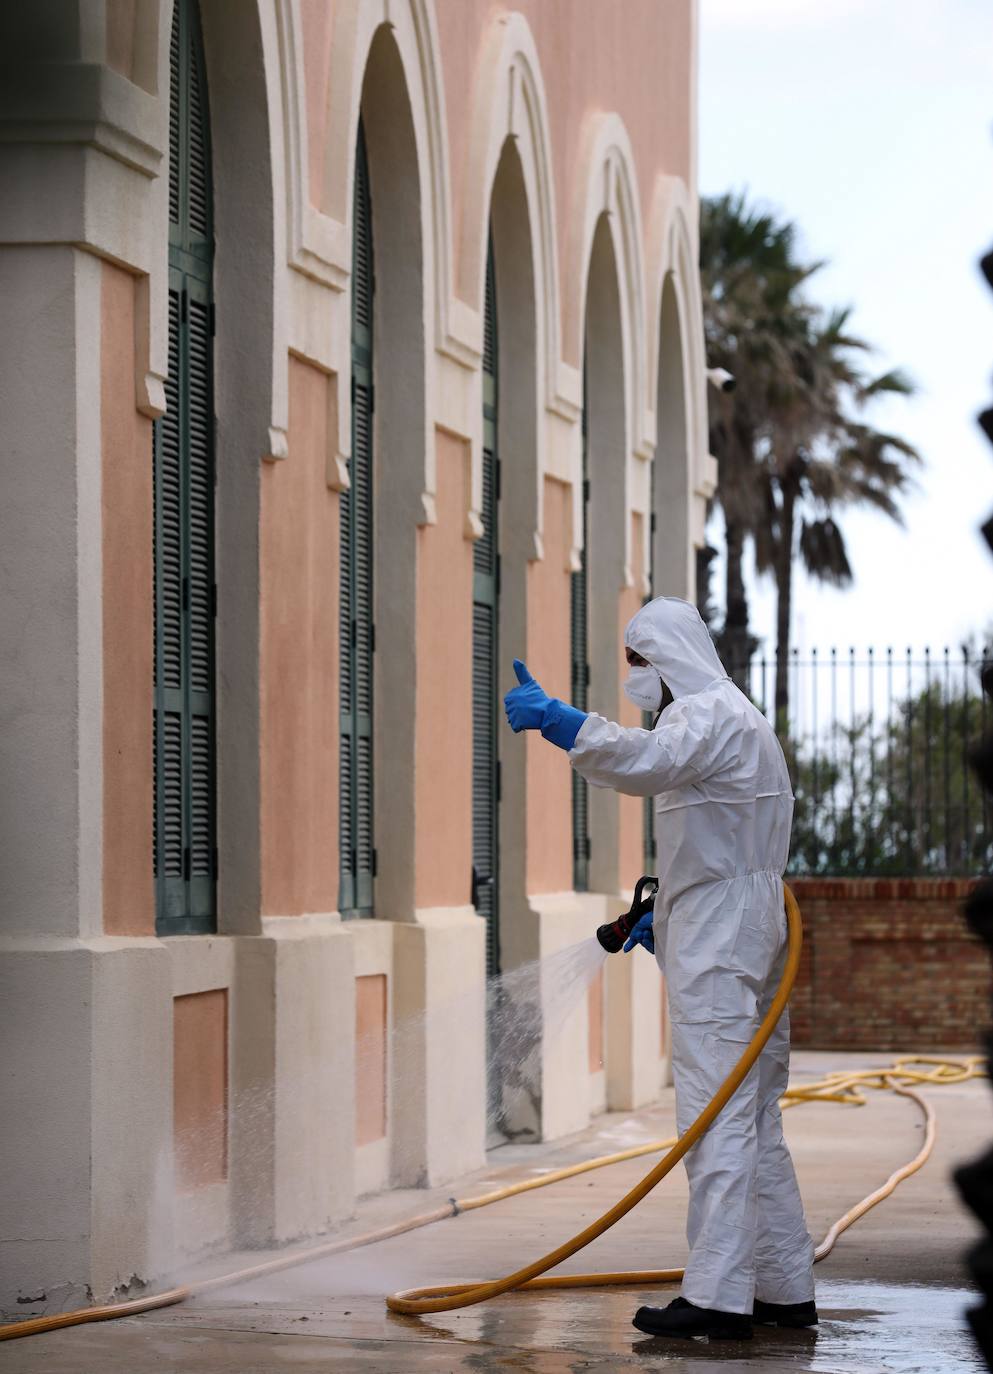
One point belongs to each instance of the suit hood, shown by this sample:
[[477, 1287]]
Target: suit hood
[[670, 635]]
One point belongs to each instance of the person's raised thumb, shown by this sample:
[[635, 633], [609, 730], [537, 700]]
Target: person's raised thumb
[[522, 672]]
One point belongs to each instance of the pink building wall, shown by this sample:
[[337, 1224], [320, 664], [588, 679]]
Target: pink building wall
[[299, 663], [583, 73], [593, 57], [443, 760], [549, 783], [126, 441], [179, 1040]]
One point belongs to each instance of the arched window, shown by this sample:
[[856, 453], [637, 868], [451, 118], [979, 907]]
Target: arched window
[[502, 562], [671, 466], [357, 632], [670, 533], [485, 623], [185, 853], [600, 582]]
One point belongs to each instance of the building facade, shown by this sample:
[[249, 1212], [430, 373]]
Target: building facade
[[353, 348]]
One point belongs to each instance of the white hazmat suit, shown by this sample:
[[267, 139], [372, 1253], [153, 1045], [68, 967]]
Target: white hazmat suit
[[723, 807]]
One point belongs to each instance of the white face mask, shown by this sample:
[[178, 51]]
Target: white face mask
[[644, 688]]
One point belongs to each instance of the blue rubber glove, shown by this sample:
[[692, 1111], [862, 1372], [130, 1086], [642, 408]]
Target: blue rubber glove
[[525, 704], [642, 933], [529, 707]]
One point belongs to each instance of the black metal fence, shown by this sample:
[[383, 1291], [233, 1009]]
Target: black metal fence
[[878, 745]]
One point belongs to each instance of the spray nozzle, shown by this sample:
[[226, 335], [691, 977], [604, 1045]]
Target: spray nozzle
[[614, 933]]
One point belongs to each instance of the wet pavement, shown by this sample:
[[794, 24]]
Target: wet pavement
[[892, 1295]]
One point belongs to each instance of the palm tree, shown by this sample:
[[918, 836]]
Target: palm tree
[[750, 277], [822, 456], [792, 445]]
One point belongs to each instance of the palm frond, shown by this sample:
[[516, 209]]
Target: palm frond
[[822, 548], [896, 382]]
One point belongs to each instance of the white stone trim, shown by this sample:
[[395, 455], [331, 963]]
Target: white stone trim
[[273, 73], [314, 241], [152, 370]]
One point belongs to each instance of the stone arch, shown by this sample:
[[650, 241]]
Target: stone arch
[[411, 27], [685, 477], [672, 478], [315, 243], [607, 185], [510, 108], [400, 425], [518, 312], [250, 387], [510, 104], [151, 365], [243, 67], [244, 76]]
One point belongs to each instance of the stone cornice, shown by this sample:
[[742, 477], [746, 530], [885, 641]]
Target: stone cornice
[[82, 103]]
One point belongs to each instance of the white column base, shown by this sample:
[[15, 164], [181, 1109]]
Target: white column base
[[87, 1170], [637, 1055], [563, 1094], [87, 1038], [309, 988], [439, 1046]]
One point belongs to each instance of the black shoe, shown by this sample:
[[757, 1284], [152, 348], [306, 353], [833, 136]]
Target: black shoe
[[683, 1320], [795, 1314]]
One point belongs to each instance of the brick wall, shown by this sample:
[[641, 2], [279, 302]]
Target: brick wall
[[888, 964]]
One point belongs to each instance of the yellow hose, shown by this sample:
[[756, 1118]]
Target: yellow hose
[[837, 1087], [842, 1086], [898, 1175], [415, 1301]]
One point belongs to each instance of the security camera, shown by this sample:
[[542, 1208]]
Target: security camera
[[720, 379]]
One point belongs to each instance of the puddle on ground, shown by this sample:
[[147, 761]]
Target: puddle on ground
[[903, 1328], [865, 1328]]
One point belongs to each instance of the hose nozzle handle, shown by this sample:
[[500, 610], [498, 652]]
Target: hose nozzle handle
[[613, 934]]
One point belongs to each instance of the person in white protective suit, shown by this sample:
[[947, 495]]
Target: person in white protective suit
[[723, 807]]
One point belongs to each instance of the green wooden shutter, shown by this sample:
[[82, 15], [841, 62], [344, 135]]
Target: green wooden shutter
[[485, 621], [357, 630], [579, 640], [184, 825]]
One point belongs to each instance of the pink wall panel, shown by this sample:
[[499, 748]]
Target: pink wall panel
[[299, 662], [126, 438], [444, 689], [549, 856]]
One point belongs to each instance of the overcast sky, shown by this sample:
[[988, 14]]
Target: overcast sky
[[870, 124]]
